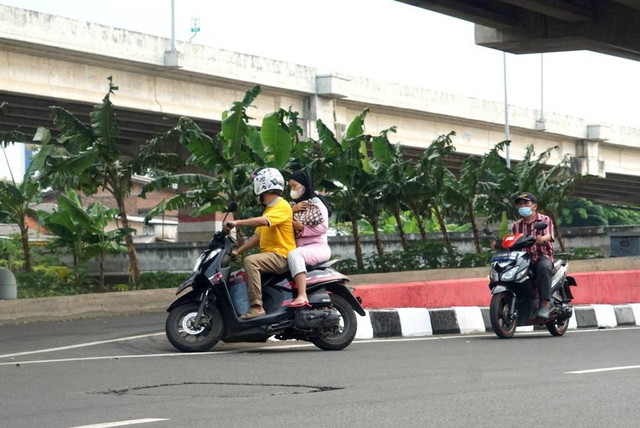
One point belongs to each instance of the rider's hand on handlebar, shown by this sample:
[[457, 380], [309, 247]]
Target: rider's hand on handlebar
[[542, 239], [234, 254], [228, 226]]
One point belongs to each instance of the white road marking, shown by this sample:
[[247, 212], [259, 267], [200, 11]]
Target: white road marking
[[285, 346], [122, 423], [608, 369], [115, 357], [80, 345]]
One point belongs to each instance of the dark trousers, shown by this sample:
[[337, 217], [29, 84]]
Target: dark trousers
[[542, 271]]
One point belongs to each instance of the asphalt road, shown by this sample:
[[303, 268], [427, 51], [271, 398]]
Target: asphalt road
[[95, 377]]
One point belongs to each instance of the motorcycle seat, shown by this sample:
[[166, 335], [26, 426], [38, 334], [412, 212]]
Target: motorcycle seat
[[322, 266], [557, 265]]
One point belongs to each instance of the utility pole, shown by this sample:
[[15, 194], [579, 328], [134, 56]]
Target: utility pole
[[171, 58], [540, 123], [506, 108]]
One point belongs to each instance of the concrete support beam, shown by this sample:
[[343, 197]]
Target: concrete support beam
[[474, 12], [533, 26], [614, 32], [559, 9]]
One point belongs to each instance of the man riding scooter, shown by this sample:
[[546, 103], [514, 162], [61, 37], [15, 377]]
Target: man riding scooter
[[542, 251], [274, 234]]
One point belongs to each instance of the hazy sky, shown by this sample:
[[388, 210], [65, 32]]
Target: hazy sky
[[382, 39]]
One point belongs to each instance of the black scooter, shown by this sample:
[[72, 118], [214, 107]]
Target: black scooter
[[210, 311], [515, 299]]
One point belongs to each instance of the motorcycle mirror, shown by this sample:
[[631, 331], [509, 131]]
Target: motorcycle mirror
[[233, 207], [487, 231], [540, 225]]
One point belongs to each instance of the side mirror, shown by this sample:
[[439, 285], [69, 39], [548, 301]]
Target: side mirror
[[540, 225], [232, 207], [487, 231]]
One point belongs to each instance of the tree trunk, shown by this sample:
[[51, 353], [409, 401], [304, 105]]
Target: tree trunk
[[26, 250], [474, 228], [376, 236], [356, 242], [101, 284], [445, 234], [420, 221], [131, 249], [441, 223], [403, 237], [557, 231]]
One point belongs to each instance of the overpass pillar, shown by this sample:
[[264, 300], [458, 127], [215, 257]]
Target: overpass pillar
[[587, 160], [322, 104]]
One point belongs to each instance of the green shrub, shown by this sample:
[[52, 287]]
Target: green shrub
[[470, 260], [581, 253], [420, 255], [151, 280], [50, 281]]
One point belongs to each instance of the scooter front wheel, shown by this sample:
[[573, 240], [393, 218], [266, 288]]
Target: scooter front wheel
[[185, 336], [503, 323]]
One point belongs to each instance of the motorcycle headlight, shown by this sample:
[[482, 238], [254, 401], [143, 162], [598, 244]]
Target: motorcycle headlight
[[509, 274], [521, 274], [494, 276]]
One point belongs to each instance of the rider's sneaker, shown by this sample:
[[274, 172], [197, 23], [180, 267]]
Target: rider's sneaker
[[543, 312]]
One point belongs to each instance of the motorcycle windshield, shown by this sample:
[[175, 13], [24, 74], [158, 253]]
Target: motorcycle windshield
[[505, 256]]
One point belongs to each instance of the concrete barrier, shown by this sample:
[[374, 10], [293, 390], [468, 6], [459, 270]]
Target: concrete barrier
[[418, 322], [609, 287]]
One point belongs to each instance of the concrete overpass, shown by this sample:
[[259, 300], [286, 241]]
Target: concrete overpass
[[47, 60], [534, 26]]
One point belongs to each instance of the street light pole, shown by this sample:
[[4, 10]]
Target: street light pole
[[171, 57], [173, 26], [506, 108]]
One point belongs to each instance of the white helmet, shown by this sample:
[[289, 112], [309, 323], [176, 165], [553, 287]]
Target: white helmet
[[267, 179]]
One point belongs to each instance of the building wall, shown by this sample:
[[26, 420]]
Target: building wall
[[180, 256]]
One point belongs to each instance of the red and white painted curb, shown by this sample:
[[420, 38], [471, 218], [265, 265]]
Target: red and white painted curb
[[417, 322]]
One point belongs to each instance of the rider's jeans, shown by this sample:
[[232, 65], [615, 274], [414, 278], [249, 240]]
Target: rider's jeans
[[543, 269], [256, 264]]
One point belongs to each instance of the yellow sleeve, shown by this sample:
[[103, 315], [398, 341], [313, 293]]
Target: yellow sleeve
[[279, 214]]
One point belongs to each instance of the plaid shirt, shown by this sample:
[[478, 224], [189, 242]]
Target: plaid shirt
[[537, 250]]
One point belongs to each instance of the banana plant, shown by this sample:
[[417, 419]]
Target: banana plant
[[82, 232], [91, 160], [223, 164], [433, 176], [481, 182], [17, 198], [356, 178]]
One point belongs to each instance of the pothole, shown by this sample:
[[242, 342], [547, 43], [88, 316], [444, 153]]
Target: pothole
[[218, 389]]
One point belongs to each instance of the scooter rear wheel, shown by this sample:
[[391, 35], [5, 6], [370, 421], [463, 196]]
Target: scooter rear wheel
[[189, 338], [558, 330], [347, 331], [503, 325]]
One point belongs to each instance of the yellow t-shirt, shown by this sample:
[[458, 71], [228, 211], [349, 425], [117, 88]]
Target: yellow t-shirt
[[278, 236]]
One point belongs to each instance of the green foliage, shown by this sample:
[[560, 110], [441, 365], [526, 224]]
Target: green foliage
[[579, 212], [152, 280], [48, 281], [419, 256], [11, 253], [82, 233]]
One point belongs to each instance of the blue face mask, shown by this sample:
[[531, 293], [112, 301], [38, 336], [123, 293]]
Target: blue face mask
[[524, 211]]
